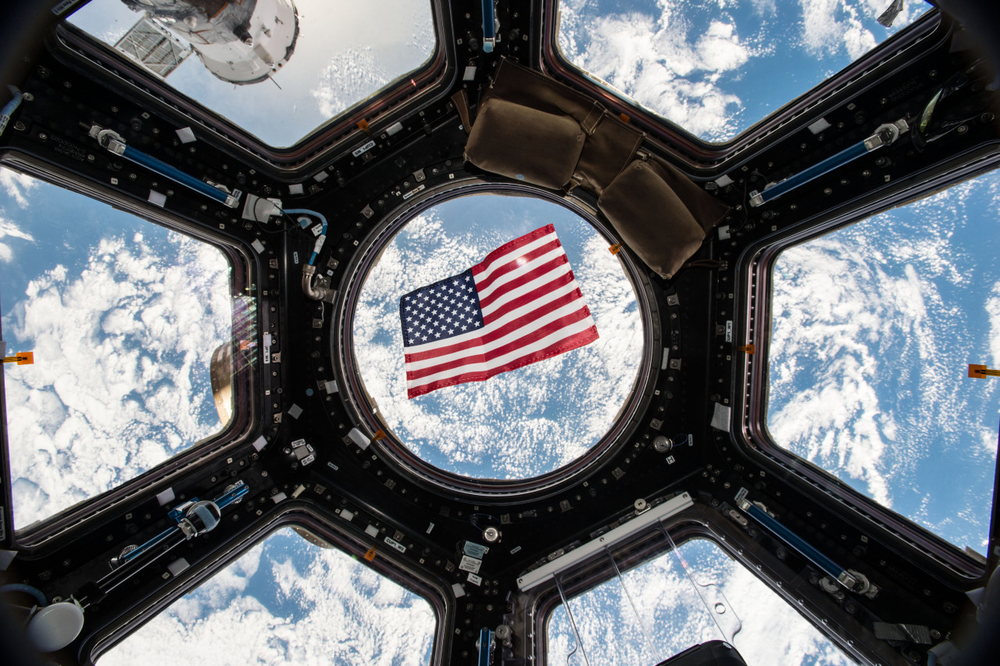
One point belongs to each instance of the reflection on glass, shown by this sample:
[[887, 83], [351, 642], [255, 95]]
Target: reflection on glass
[[689, 595], [518, 424], [277, 68], [716, 68], [123, 317], [287, 601], [873, 328]]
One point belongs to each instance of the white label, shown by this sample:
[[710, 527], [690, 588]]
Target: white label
[[729, 330], [295, 258], [267, 349], [430, 528], [185, 135], [415, 190], [819, 126], [364, 149], [720, 418], [166, 496], [470, 564], [157, 199], [295, 188], [259, 443], [475, 580], [295, 411], [346, 514], [475, 550], [178, 566], [317, 230], [257, 245], [395, 128], [371, 530], [330, 386], [358, 438], [395, 544]]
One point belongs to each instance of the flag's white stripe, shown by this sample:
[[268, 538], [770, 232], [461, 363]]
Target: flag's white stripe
[[514, 254], [498, 323], [527, 350], [529, 287], [518, 272], [535, 324]]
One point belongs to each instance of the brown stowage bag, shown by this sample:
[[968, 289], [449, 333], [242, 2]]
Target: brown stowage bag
[[524, 143], [661, 215], [523, 128]]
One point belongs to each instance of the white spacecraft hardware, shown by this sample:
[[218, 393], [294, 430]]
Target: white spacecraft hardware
[[239, 42]]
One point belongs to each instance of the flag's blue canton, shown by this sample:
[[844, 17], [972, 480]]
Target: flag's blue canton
[[441, 310]]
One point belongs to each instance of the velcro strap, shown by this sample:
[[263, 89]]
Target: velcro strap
[[462, 106], [593, 119]]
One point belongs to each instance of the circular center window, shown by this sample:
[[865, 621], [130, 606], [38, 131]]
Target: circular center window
[[519, 423]]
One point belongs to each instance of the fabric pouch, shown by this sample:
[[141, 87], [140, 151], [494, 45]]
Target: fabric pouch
[[660, 215], [520, 142]]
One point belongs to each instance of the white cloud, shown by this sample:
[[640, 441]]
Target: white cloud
[[519, 423], [120, 378], [660, 62], [993, 311], [17, 185], [287, 601], [832, 26], [9, 229], [872, 329]]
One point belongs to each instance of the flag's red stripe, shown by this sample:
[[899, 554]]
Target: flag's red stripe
[[524, 278], [512, 245], [573, 342], [491, 335], [533, 336], [533, 295], [517, 262]]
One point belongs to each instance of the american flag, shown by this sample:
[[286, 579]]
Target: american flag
[[520, 305]]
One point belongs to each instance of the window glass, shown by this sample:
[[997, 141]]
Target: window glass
[[277, 68], [716, 67], [287, 601], [521, 423], [680, 599], [873, 329], [123, 317]]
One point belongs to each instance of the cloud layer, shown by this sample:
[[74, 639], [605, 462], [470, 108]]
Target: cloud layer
[[521, 423], [122, 333], [715, 67], [873, 328]]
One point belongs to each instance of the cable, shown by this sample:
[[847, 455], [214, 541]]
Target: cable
[[318, 247], [27, 589]]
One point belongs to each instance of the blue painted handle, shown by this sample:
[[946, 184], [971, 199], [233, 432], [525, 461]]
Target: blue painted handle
[[174, 174], [489, 26], [796, 542], [815, 171]]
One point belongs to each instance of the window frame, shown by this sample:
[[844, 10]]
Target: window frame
[[398, 571], [245, 416], [754, 275], [694, 523], [431, 80], [909, 43]]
